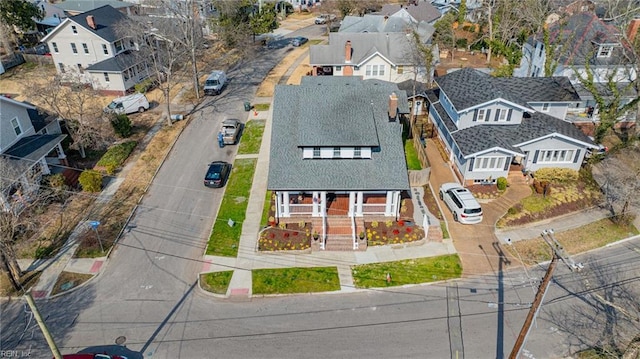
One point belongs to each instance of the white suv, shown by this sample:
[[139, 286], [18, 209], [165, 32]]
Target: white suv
[[461, 202]]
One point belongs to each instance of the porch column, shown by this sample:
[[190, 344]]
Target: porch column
[[278, 204], [396, 204], [323, 203], [352, 203], [315, 209], [62, 157], [387, 204], [44, 168], [359, 202], [285, 204]]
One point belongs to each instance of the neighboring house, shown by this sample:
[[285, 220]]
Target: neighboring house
[[564, 8], [30, 141], [53, 16], [380, 23], [415, 11], [337, 152], [579, 41], [384, 56], [77, 7], [474, 8], [88, 48], [486, 124]]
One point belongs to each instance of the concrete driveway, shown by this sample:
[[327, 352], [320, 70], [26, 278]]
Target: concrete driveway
[[477, 245]]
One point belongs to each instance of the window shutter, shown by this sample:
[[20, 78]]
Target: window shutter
[[475, 115], [507, 163], [495, 118], [535, 156], [575, 159], [471, 161], [488, 116], [509, 114]]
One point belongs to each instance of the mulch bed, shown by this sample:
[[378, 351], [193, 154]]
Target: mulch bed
[[392, 232], [292, 237], [485, 191]]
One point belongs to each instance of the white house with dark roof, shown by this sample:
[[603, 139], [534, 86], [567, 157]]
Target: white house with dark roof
[[579, 41], [88, 47], [382, 56], [337, 152], [486, 124], [30, 141], [415, 11]]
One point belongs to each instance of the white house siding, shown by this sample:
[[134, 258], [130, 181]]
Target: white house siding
[[479, 168], [116, 81], [467, 118], [9, 111], [376, 60], [552, 144], [64, 37], [554, 109]]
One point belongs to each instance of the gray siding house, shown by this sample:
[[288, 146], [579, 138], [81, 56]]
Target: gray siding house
[[337, 152], [488, 124], [30, 141]]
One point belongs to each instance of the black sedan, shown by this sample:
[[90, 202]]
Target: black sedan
[[299, 41], [217, 174]]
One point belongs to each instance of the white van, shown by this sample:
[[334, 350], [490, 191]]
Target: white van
[[215, 83], [128, 104]]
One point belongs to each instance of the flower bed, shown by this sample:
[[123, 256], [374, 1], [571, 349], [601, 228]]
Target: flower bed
[[392, 232], [291, 236]]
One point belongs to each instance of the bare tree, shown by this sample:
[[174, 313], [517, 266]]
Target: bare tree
[[70, 98], [618, 175]]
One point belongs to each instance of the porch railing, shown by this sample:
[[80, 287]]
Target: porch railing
[[373, 208], [324, 231], [301, 209], [353, 232]]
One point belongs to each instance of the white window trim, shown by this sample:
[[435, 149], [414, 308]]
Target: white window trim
[[105, 49], [74, 29], [55, 47], [85, 48], [481, 115], [485, 163], [554, 156], [106, 77], [74, 48], [15, 124], [545, 107], [605, 51], [502, 115]]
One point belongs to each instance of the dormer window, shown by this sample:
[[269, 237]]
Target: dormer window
[[316, 152], [357, 152], [605, 51], [336, 152], [118, 45], [481, 114], [545, 107]]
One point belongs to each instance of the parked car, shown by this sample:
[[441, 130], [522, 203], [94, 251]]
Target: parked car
[[215, 83], [92, 356], [461, 202], [229, 132], [299, 41], [128, 104], [323, 18], [217, 174]]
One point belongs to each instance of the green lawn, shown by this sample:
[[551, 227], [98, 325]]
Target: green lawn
[[265, 209], [413, 163], [411, 271], [251, 137], [261, 106], [295, 280], [216, 282], [224, 239]]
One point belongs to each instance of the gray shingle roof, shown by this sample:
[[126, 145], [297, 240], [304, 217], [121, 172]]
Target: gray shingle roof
[[373, 23], [468, 87], [118, 63], [34, 147], [482, 137], [421, 11], [105, 17], [88, 5], [396, 47], [335, 111]]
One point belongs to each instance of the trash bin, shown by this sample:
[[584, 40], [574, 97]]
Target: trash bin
[[247, 106]]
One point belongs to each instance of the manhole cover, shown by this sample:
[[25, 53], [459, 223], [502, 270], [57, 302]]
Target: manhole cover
[[121, 340]]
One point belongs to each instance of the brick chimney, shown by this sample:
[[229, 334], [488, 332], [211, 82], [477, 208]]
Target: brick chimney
[[632, 30], [91, 21], [393, 106], [347, 51]]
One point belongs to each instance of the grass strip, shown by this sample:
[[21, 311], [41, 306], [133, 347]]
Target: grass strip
[[216, 282], [413, 163], [410, 271], [251, 137], [295, 280]]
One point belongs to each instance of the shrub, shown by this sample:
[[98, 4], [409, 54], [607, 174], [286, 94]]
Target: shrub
[[121, 125], [374, 224], [56, 181], [501, 183], [116, 155], [389, 223], [301, 224], [461, 43], [282, 225], [557, 175], [91, 181], [144, 86], [44, 252]]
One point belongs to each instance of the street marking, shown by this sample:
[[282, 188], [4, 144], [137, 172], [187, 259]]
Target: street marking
[[95, 268], [146, 286]]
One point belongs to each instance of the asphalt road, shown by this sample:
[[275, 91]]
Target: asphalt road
[[147, 292]]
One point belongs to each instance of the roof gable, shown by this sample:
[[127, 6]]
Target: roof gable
[[105, 18], [394, 47]]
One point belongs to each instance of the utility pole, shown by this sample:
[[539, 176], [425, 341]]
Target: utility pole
[[43, 326], [558, 253]]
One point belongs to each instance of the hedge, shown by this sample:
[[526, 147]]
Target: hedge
[[115, 156]]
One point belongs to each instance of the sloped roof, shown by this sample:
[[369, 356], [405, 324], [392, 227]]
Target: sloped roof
[[105, 18], [118, 63], [396, 47], [85, 6], [34, 147], [373, 23], [538, 125], [327, 111], [577, 40], [420, 11], [468, 87]]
